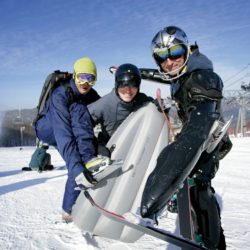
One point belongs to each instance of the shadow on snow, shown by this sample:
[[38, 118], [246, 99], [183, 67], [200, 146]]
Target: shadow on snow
[[24, 184]]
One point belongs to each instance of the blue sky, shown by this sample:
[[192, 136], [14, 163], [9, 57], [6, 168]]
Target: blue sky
[[37, 37]]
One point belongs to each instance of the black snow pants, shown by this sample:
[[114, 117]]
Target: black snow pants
[[206, 210]]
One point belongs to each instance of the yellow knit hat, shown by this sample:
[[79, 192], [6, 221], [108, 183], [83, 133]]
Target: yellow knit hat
[[85, 65]]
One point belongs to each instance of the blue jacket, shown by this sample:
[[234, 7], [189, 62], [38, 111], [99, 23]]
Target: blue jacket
[[68, 127]]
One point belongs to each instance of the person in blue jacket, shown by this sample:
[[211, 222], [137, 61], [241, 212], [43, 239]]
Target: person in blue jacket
[[67, 126]]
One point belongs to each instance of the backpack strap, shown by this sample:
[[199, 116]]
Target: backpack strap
[[52, 81], [69, 90]]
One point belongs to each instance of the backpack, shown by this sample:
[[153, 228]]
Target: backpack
[[52, 81]]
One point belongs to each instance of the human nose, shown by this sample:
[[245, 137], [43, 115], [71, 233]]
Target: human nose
[[127, 89], [169, 61]]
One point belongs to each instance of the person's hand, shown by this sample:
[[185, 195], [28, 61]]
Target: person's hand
[[97, 164], [85, 180], [224, 147], [164, 105]]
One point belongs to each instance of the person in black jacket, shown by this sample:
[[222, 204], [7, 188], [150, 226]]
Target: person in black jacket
[[112, 109], [197, 92]]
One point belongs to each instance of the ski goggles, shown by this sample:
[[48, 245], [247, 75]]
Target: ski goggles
[[127, 80], [174, 52], [86, 78]]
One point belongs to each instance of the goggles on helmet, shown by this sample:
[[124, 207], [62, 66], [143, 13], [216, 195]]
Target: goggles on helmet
[[130, 83], [127, 80], [173, 52], [86, 78]]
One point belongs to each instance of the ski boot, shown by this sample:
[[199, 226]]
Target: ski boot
[[67, 218]]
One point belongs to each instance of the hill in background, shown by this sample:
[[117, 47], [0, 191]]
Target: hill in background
[[16, 125]]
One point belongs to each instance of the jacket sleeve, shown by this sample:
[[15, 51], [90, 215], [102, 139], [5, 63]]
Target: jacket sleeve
[[177, 160], [96, 111], [70, 135]]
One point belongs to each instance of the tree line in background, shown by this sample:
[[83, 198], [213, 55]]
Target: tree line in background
[[16, 125], [16, 128]]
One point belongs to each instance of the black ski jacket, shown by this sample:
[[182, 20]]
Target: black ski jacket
[[198, 95]]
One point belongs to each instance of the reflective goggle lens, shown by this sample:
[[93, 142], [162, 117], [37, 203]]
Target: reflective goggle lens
[[83, 77], [131, 83], [174, 52]]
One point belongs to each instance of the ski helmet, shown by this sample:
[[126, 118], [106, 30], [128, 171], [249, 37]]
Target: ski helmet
[[167, 38], [127, 75]]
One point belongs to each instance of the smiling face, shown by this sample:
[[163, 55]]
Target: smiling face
[[83, 87], [85, 74], [84, 82], [127, 93], [170, 50], [173, 66]]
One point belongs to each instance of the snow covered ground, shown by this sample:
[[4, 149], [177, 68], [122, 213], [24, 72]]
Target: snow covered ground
[[30, 205]]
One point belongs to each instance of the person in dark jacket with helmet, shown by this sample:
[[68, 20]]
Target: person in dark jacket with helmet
[[197, 92], [67, 126], [112, 109]]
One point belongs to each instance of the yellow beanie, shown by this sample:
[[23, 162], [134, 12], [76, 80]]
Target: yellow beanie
[[85, 65]]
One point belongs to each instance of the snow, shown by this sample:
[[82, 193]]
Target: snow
[[30, 205]]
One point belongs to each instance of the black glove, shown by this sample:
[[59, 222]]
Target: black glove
[[88, 175], [225, 146], [164, 105], [85, 179]]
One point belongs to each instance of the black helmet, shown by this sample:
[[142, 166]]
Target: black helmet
[[127, 75]]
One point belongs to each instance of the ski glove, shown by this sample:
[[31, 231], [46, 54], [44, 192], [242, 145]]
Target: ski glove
[[224, 147], [93, 167], [85, 180]]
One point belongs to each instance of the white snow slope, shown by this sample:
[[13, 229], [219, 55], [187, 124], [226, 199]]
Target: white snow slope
[[30, 205]]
